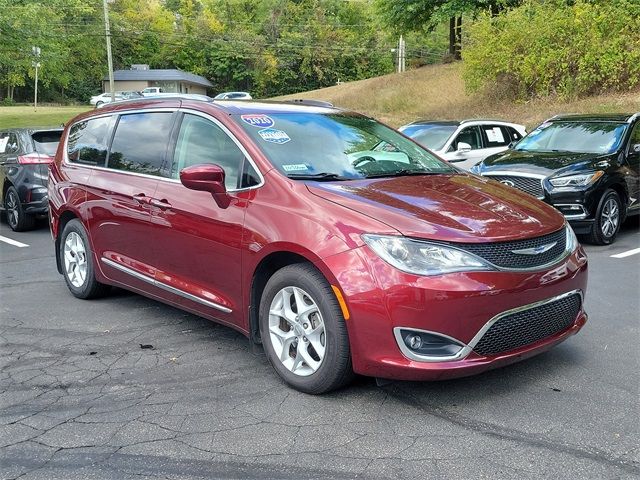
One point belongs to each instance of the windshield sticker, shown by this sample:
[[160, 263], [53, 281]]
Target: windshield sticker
[[295, 167], [258, 120], [274, 136]]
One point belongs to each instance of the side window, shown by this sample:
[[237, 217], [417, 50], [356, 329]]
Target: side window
[[140, 142], [202, 141], [496, 136], [634, 145], [470, 135], [88, 141], [513, 133], [4, 141]]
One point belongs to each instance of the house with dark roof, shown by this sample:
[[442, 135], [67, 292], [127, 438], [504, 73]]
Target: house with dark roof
[[140, 77]]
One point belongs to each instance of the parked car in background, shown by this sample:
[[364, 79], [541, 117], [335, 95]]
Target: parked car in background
[[587, 166], [259, 216], [104, 98], [151, 91], [25, 155], [233, 96], [467, 142]]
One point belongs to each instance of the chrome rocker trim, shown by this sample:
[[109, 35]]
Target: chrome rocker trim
[[164, 286]]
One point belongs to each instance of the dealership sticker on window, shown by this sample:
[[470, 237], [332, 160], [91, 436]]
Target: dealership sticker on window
[[295, 167], [274, 136], [494, 135], [258, 120]]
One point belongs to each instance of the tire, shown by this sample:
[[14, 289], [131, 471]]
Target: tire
[[607, 219], [18, 220], [76, 259], [300, 339], [98, 104]]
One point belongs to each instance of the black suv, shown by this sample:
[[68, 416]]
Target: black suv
[[587, 166], [25, 155]]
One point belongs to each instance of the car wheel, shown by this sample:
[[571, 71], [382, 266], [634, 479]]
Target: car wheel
[[98, 104], [17, 219], [607, 220], [77, 262], [303, 330]]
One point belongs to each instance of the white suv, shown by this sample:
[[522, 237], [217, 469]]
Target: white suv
[[467, 142]]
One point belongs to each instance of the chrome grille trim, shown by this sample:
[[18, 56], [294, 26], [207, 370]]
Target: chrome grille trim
[[525, 182]]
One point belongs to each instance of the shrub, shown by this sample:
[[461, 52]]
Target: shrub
[[551, 47]]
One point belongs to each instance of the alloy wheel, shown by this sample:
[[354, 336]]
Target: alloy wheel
[[610, 217], [75, 259], [12, 207], [297, 331]]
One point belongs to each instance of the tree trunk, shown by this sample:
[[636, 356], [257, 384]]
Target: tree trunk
[[458, 39], [452, 37]]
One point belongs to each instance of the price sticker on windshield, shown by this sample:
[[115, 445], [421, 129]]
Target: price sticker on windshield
[[257, 120]]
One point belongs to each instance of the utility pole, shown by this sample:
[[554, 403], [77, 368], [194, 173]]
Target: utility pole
[[404, 56], [107, 32], [36, 64], [401, 55]]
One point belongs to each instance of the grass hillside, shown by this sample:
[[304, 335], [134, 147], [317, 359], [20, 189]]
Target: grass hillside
[[44, 116], [437, 93]]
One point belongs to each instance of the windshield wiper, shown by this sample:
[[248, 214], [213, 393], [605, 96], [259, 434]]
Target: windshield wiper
[[403, 173], [320, 177]]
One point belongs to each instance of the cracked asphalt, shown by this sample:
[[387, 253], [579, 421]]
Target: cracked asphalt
[[80, 398]]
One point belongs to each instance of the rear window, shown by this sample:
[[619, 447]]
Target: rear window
[[46, 142], [88, 141]]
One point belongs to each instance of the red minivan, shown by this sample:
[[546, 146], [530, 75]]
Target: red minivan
[[334, 241]]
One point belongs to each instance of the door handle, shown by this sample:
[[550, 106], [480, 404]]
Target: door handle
[[161, 204], [142, 199]]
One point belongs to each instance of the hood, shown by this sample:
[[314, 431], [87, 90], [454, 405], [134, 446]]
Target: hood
[[453, 207], [541, 163]]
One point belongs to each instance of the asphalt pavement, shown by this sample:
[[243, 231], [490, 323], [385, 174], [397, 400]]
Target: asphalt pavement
[[125, 387]]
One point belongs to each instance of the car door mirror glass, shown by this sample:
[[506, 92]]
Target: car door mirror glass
[[206, 178], [463, 147], [635, 149]]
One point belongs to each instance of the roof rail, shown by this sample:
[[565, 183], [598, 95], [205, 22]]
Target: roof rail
[[310, 102], [467, 120]]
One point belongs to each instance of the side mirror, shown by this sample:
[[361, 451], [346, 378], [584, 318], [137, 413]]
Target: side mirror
[[463, 147], [206, 178], [635, 149]]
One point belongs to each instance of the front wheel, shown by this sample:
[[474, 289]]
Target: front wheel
[[303, 330], [77, 262], [607, 220]]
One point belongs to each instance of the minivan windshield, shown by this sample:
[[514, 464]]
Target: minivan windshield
[[581, 137], [337, 146], [431, 136]]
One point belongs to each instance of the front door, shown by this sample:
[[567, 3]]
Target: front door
[[199, 242]]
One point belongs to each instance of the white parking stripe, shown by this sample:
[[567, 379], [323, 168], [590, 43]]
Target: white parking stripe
[[13, 242], [628, 253]]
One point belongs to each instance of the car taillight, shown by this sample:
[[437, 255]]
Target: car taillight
[[32, 158]]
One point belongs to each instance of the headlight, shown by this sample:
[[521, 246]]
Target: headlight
[[576, 180], [572, 240], [423, 258]]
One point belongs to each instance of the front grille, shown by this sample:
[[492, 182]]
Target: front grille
[[501, 253], [529, 326], [533, 186]]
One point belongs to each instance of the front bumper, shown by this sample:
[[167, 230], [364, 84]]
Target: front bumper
[[381, 298]]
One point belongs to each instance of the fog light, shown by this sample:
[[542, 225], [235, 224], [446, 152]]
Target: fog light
[[427, 346], [414, 342]]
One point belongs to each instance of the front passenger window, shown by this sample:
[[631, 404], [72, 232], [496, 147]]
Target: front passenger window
[[202, 141], [470, 135]]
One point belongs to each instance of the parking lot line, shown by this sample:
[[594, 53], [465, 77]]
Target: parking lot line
[[628, 253], [13, 242]]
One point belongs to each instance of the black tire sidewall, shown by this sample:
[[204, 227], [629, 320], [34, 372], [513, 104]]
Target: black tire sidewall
[[87, 288], [337, 360], [598, 235]]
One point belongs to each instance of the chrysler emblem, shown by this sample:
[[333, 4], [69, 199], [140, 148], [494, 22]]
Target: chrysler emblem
[[535, 250], [508, 183]]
